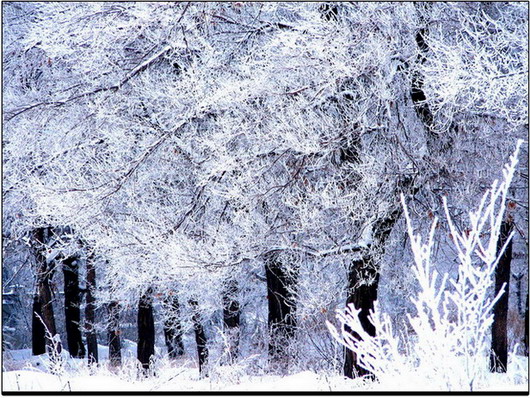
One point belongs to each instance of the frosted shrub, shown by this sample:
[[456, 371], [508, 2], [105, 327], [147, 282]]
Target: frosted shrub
[[448, 347]]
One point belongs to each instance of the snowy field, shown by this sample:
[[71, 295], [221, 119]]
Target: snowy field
[[23, 372]]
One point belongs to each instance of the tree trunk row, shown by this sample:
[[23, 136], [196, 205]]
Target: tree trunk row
[[363, 279]]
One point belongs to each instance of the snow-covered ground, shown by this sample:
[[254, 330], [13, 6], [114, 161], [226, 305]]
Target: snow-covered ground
[[23, 372]]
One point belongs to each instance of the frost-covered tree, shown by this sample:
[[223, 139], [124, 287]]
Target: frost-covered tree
[[249, 157]]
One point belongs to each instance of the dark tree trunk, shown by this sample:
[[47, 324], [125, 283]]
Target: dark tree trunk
[[526, 327], [72, 310], [113, 333], [53, 346], [38, 332], [231, 318], [363, 279], [90, 310], [146, 329], [200, 336], [363, 282], [282, 309], [499, 337], [172, 326], [45, 316]]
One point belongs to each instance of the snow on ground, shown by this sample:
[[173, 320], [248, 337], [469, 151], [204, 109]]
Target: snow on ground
[[182, 380], [23, 372]]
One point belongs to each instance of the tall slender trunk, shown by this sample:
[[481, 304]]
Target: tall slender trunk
[[90, 310], [499, 336], [146, 329], [38, 332], [200, 336], [231, 319], [53, 345], [172, 326], [72, 310], [363, 281], [44, 316], [282, 310], [113, 333]]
